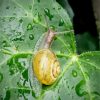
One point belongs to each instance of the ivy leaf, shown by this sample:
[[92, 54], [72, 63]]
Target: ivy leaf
[[22, 24]]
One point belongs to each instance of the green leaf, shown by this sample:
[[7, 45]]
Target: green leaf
[[22, 25]]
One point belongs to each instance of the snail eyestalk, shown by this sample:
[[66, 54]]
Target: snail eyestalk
[[49, 38]]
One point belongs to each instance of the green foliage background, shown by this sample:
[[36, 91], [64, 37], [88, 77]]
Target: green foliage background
[[22, 24]]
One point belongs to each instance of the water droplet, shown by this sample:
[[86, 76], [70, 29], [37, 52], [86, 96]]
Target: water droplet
[[7, 7], [55, 38], [95, 93], [74, 73], [54, 8], [13, 31], [5, 44], [8, 95], [33, 94], [25, 14], [72, 87], [81, 89], [29, 27], [38, 1], [25, 74], [68, 86], [19, 36], [19, 33], [59, 98], [59, 8], [3, 19], [20, 20], [39, 17], [1, 77], [34, 21], [22, 38], [47, 12], [61, 22], [14, 65], [31, 36], [11, 18], [15, 7]]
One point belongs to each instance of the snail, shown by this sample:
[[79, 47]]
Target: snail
[[45, 64]]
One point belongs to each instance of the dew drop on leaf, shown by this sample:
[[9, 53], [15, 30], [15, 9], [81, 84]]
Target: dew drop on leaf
[[25, 74], [38, 1], [59, 8], [39, 17], [33, 94], [80, 88], [14, 66], [72, 87], [53, 8], [34, 21], [25, 14], [59, 98], [15, 7], [95, 93], [74, 73], [8, 94], [3, 20], [5, 44], [20, 20], [31, 36], [7, 7], [19, 36], [55, 38], [1, 77], [11, 18], [22, 38], [47, 12], [29, 27], [68, 86], [61, 22], [13, 31]]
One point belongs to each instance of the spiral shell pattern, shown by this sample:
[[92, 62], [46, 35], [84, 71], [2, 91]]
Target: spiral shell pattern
[[46, 66]]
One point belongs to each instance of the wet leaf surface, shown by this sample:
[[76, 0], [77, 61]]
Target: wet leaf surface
[[22, 24]]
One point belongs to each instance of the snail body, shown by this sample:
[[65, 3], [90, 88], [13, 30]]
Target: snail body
[[45, 64]]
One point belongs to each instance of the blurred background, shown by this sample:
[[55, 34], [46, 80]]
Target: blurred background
[[85, 16]]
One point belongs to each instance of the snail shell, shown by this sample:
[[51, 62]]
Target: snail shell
[[46, 66]]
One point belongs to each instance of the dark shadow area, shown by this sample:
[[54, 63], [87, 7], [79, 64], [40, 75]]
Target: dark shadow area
[[84, 19], [83, 22]]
